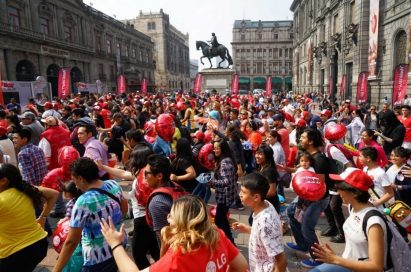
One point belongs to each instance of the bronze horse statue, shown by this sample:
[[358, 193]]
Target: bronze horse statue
[[221, 51]]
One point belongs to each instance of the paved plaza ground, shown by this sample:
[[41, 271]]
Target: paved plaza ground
[[241, 240]]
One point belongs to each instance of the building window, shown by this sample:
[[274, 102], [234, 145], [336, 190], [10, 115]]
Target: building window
[[118, 50], [259, 36], [101, 71], [14, 17], [352, 11], [242, 37], [259, 67], [44, 26], [98, 43], [335, 25], [280, 53], [275, 36], [133, 53], [112, 76], [248, 53], [140, 55], [275, 53], [270, 53], [68, 33], [109, 49], [126, 51], [400, 48], [151, 25]]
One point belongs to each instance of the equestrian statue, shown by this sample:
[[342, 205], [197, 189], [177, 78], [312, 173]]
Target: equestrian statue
[[214, 49]]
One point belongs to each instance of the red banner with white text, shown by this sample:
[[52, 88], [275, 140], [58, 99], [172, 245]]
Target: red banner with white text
[[234, 84], [197, 83], [64, 83], [144, 83], [268, 87], [121, 84], [362, 87], [400, 84], [343, 83]]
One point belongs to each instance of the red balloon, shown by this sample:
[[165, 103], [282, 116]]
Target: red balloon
[[208, 137], [206, 156], [60, 234], [308, 185], [149, 129], [165, 126], [67, 155], [180, 105], [335, 132]]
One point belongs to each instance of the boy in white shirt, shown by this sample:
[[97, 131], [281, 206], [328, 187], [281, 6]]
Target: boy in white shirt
[[266, 250], [383, 192]]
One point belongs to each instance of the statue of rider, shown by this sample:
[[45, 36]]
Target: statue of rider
[[214, 43]]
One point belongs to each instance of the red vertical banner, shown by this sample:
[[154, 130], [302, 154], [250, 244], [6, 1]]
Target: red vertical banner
[[400, 84], [342, 86], [121, 84], [362, 87], [144, 83], [330, 86], [197, 83], [234, 84], [64, 83], [268, 87]]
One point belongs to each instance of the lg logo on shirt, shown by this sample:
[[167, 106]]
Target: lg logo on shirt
[[212, 266]]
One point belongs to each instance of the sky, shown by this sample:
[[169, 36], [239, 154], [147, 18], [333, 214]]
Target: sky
[[200, 18]]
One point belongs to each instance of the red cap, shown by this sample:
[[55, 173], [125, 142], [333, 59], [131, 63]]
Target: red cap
[[354, 177], [301, 123], [3, 131], [327, 113], [198, 134], [48, 105], [305, 114]]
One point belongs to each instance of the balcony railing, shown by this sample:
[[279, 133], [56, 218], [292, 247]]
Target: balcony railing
[[25, 33]]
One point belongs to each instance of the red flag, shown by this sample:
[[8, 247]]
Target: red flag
[[234, 84], [144, 85], [362, 87], [197, 83], [121, 84], [400, 83], [64, 83], [268, 87], [343, 83]]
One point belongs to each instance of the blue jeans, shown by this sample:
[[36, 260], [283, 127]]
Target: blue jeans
[[329, 268], [203, 191], [60, 206], [304, 233]]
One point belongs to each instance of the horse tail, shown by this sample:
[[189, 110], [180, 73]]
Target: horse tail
[[229, 59]]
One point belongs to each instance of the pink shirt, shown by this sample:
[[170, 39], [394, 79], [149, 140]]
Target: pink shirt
[[381, 159]]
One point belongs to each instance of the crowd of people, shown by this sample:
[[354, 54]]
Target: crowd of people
[[64, 158]]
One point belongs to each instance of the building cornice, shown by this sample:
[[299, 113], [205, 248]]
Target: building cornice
[[294, 5]]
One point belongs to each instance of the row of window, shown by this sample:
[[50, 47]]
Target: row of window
[[259, 36], [265, 68], [263, 52]]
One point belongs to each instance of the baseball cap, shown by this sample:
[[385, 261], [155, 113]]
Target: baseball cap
[[50, 121], [278, 117], [354, 177], [326, 113], [198, 134], [48, 105], [305, 114], [28, 114], [301, 123]]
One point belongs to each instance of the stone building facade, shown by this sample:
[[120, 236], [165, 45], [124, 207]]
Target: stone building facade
[[331, 39], [39, 37], [172, 55], [193, 71], [261, 49]]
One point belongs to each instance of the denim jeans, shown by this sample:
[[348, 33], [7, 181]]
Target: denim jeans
[[203, 191], [60, 206], [329, 268], [304, 233]]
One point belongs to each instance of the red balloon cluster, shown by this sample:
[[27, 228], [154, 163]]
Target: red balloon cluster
[[308, 185], [206, 156]]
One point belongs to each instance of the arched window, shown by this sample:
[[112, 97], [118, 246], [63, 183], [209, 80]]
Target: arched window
[[400, 48]]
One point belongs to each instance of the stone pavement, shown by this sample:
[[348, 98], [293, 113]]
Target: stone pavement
[[241, 240]]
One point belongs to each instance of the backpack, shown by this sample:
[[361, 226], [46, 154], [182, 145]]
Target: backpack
[[175, 192], [347, 153], [399, 253]]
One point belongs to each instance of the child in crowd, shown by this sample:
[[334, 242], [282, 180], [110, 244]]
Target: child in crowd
[[266, 250], [383, 192], [305, 162]]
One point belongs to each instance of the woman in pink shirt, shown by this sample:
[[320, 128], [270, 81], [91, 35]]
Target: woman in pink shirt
[[366, 139]]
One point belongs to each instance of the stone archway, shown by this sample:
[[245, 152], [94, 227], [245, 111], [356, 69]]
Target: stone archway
[[52, 77], [76, 76], [25, 71], [400, 48]]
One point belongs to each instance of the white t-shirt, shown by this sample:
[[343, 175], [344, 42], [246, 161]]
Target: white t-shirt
[[138, 210], [266, 240], [279, 156], [381, 180], [336, 154], [356, 245], [392, 172]]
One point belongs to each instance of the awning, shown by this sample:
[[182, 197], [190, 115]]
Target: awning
[[288, 80], [244, 80], [277, 80], [259, 80]]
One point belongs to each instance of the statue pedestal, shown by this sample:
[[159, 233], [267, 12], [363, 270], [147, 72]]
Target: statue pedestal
[[219, 79]]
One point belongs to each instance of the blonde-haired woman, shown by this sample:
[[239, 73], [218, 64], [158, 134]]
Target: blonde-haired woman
[[190, 243]]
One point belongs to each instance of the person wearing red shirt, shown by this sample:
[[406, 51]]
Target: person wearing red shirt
[[106, 114], [190, 243], [405, 119]]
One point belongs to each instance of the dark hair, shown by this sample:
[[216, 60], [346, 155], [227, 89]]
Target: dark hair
[[24, 133], [138, 157], [360, 196], [256, 183], [67, 108], [12, 173], [253, 125], [225, 153], [369, 132], [117, 115], [235, 111], [135, 134], [370, 152], [70, 187], [401, 152], [183, 149], [78, 112], [405, 107], [160, 164], [3, 114], [302, 153], [86, 168], [315, 136], [358, 112], [88, 128], [268, 154], [275, 134]]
